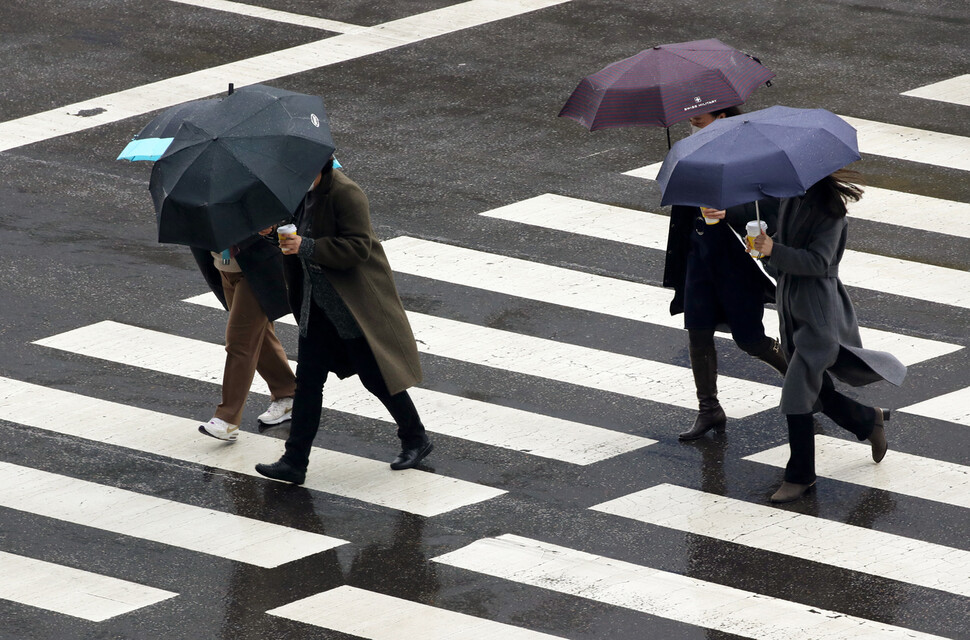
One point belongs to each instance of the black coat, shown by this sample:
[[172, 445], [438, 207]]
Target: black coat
[[262, 265], [682, 221]]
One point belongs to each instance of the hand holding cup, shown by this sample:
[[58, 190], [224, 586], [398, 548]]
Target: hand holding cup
[[289, 241], [711, 215]]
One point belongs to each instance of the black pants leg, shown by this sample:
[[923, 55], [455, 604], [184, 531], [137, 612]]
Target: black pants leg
[[409, 426], [852, 416], [801, 443], [311, 374]]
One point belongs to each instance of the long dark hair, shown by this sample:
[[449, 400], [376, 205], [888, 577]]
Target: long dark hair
[[727, 111], [831, 194]]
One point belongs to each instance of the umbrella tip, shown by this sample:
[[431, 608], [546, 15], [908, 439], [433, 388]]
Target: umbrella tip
[[230, 89]]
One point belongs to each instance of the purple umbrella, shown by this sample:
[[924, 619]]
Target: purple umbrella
[[664, 85], [776, 152]]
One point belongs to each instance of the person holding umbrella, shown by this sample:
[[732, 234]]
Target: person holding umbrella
[[819, 331], [716, 283], [351, 321]]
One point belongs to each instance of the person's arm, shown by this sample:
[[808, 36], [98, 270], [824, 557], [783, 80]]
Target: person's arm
[[351, 243], [814, 260]]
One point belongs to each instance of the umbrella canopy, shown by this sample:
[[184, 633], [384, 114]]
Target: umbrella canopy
[[237, 165], [152, 141], [776, 152], [664, 85]]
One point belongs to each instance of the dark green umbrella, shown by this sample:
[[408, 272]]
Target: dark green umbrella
[[238, 165]]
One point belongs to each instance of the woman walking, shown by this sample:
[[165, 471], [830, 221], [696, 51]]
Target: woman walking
[[819, 332], [718, 285]]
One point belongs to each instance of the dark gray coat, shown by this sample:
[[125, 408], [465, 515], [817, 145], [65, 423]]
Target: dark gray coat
[[819, 331]]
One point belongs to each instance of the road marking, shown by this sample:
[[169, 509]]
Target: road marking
[[539, 357], [72, 592], [582, 366], [953, 407], [913, 145], [888, 140], [888, 207], [224, 535], [473, 420], [955, 90], [644, 229], [274, 15], [661, 593], [792, 534], [371, 481], [375, 616], [903, 473], [207, 82], [590, 292]]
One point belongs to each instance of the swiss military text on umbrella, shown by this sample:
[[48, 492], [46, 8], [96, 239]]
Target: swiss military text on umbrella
[[237, 165]]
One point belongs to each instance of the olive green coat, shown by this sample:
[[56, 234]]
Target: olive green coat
[[353, 260]]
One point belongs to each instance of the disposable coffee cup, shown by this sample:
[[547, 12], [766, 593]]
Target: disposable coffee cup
[[754, 229], [707, 220], [285, 230]]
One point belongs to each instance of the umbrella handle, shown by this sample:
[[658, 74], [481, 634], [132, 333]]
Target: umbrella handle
[[230, 89], [668, 138], [757, 212]]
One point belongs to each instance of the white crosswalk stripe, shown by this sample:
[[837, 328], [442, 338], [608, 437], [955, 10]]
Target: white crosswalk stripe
[[590, 292], [953, 407], [863, 270], [661, 593], [71, 591], [825, 541], [133, 514], [955, 90], [332, 472], [460, 417], [366, 614], [902, 473]]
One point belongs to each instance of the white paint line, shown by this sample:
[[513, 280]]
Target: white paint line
[[473, 420], [640, 228], [371, 481], [589, 292], [955, 90], [72, 592], [207, 82], [133, 514], [902, 473], [801, 536], [660, 593], [889, 207], [953, 407], [374, 616], [582, 366], [914, 145], [272, 14]]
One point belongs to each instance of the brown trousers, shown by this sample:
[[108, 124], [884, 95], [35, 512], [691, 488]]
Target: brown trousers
[[251, 346]]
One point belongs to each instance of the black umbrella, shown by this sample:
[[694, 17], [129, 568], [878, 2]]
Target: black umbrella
[[238, 165]]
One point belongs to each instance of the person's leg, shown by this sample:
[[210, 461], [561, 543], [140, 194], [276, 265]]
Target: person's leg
[[274, 367], [863, 421], [766, 349], [244, 334], [415, 444], [703, 365], [311, 375], [800, 470]]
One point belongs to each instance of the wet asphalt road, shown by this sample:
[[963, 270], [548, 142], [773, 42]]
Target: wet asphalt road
[[437, 132]]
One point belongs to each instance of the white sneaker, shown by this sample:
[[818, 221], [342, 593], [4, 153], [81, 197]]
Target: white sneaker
[[279, 411], [220, 429]]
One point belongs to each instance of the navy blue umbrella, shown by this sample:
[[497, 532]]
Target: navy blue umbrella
[[776, 152]]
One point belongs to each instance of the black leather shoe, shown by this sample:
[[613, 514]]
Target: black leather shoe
[[411, 456], [282, 470]]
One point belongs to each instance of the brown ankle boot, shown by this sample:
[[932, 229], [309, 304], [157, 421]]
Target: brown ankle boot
[[878, 436], [703, 363]]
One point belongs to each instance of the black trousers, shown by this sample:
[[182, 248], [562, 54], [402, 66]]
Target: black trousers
[[314, 362], [855, 417]]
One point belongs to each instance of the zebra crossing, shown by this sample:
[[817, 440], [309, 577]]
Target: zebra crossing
[[521, 433]]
